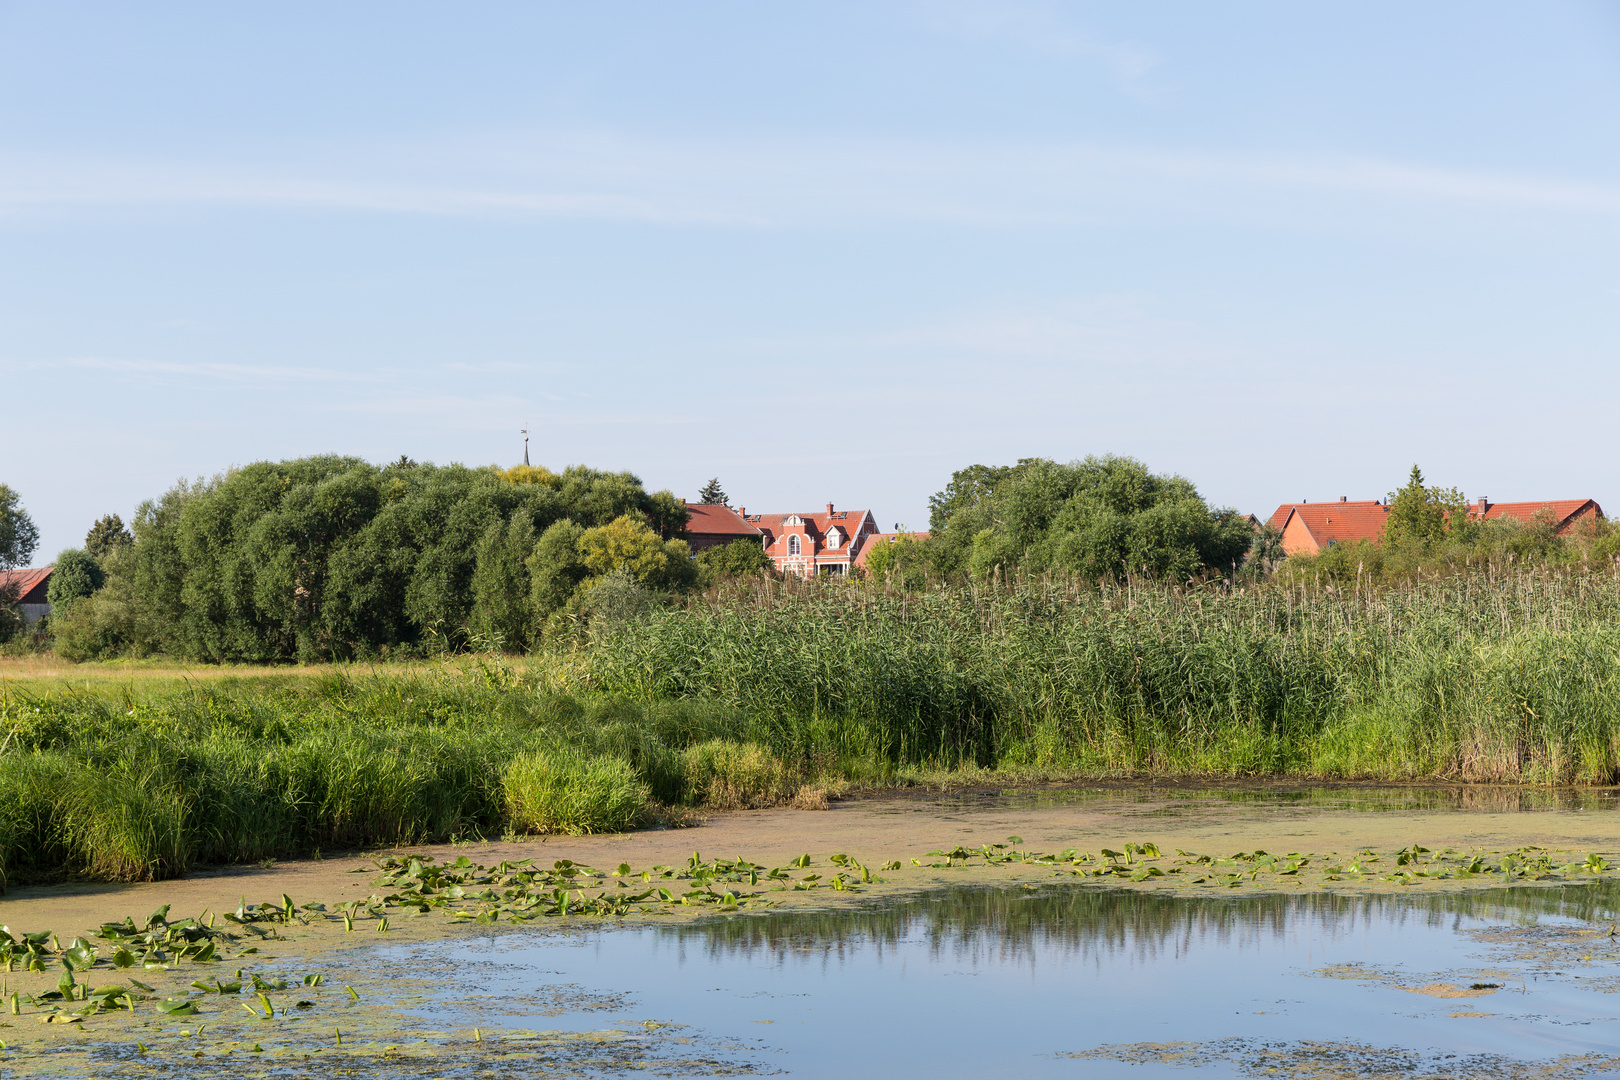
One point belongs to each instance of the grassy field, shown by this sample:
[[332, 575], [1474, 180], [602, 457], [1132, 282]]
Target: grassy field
[[134, 771]]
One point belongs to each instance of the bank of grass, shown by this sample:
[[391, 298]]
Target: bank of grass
[[782, 693], [140, 781], [1503, 678]]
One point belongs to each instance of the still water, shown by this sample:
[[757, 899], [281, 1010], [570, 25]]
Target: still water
[[1072, 981]]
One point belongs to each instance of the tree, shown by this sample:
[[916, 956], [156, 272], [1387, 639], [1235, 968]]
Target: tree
[[1104, 517], [18, 538], [76, 576], [713, 494], [899, 560], [107, 533], [738, 559], [1423, 516], [500, 583], [555, 568], [18, 534]]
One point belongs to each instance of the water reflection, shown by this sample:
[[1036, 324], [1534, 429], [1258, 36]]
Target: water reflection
[[1070, 970], [1174, 800], [1081, 922]]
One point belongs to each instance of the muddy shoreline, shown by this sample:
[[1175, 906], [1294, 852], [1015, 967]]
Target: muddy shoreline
[[1199, 816]]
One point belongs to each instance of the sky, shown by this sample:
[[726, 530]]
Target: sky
[[827, 253]]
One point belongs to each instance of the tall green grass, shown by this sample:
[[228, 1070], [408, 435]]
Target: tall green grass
[[1513, 678], [740, 700], [124, 786]]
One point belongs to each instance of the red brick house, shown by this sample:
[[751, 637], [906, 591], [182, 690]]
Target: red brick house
[[1309, 527], [709, 525], [810, 544]]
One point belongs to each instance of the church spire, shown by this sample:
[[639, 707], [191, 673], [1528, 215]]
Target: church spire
[[525, 445]]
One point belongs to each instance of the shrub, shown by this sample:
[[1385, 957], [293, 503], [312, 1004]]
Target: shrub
[[565, 791], [726, 775]]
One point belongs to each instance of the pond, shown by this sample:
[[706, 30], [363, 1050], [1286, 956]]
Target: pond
[[1068, 981]]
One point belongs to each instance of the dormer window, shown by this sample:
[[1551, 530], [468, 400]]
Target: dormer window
[[793, 545], [834, 537], [793, 519]]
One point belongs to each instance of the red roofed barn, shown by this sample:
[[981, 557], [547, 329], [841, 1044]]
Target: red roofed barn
[[30, 586], [809, 544]]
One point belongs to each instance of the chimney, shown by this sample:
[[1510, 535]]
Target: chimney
[[742, 511], [1483, 503], [829, 509]]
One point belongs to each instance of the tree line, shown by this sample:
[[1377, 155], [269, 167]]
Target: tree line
[[335, 558]]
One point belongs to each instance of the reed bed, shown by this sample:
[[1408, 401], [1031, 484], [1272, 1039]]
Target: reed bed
[[127, 785], [1512, 678], [749, 698]]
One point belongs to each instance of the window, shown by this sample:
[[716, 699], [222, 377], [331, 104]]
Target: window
[[834, 537], [793, 545]]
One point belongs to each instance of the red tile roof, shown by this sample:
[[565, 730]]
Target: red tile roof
[[709, 519], [1335, 522], [1564, 511], [30, 583]]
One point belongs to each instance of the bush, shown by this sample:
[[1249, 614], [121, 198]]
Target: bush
[[76, 576], [726, 775], [565, 791]]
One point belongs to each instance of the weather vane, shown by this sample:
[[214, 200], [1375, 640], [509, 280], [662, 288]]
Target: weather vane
[[525, 431]]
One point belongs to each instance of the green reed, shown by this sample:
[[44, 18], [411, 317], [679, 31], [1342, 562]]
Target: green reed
[[120, 785], [1505, 678]]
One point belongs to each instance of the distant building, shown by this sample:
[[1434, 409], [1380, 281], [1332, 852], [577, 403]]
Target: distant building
[[1564, 513], [811, 544], [710, 525], [1308, 527], [31, 586], [876, 540]]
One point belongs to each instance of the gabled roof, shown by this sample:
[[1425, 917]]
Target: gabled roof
[[1341, 522], [710, 519], [1563, 511], [816, 525], [28, 582]]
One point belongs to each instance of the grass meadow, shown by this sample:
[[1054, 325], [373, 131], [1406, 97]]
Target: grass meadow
[[756, 696]]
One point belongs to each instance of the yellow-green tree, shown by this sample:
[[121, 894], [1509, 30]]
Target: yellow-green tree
[[627, 544]]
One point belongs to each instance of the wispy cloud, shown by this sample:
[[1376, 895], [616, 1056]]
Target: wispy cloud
[[1044, 30], [780, 183]]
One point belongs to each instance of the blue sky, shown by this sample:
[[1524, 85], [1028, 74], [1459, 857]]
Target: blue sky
[[825, 252]]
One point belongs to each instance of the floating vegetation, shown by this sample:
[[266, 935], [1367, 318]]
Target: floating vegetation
[[1413, 865], [1324, 1060]]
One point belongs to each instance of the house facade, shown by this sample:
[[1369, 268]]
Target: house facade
[[808, 544]]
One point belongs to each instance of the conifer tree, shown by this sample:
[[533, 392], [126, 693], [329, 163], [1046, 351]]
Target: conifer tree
[[713, 494]]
